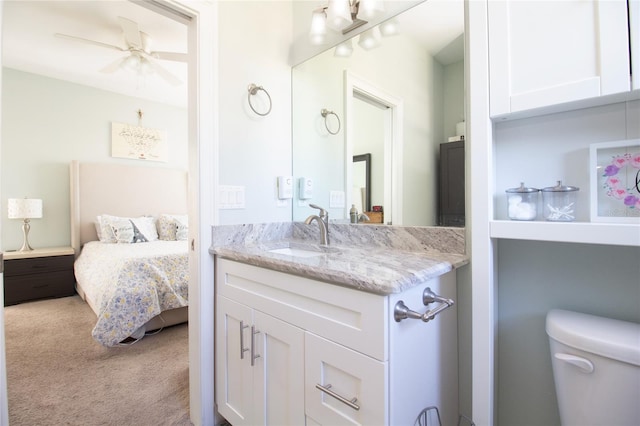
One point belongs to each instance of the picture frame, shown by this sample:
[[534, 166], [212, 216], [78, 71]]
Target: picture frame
[[139, 143], [615, 181]]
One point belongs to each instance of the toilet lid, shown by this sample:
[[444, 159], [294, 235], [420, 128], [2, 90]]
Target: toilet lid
[[607, 337]]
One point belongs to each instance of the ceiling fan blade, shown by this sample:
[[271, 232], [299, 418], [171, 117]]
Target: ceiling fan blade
[[162, 72], [95, 43], [131, 32], [113, 66], [170, 56]]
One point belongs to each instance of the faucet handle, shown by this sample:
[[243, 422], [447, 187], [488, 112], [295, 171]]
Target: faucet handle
[[323, 212]]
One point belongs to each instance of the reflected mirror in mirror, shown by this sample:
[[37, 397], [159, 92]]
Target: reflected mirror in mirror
[[421, 71], [361, 169]]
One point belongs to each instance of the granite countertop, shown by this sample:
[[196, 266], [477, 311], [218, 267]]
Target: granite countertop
[[352, 259]]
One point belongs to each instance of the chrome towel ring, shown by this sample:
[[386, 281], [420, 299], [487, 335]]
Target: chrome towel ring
[[253, 90], [325, 112]]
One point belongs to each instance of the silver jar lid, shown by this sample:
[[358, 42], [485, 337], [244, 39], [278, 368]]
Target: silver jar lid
[[560, 188], [522, 189]]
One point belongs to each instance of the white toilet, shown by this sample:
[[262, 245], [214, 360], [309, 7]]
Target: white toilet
[[596, 368]]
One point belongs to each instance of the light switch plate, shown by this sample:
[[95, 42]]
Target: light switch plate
[[231, 197], [336, 199]]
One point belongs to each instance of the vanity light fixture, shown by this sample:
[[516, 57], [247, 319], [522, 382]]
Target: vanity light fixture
[[25, 209], [342, 16]]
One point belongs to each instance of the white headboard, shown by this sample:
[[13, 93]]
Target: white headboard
[[121, 190]]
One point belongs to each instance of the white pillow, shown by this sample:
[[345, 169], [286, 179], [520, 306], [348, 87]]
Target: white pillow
[[172, 227], [127, 230]]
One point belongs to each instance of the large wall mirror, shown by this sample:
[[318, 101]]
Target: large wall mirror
[[397, 102]]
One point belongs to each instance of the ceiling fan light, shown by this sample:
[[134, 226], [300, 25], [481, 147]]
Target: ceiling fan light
[[390, 27], [370, 39], [344, 50], [370, 9], [132, 62], [339, 14], [318, 26], [146, 68]]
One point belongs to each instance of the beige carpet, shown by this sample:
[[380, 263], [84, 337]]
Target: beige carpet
[[58, 375]]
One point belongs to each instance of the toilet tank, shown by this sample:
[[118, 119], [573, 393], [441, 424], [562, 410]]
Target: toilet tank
[[596, 368]]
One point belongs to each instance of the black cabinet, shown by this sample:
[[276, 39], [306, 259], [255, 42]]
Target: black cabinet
[[40, 274], [451, 184]]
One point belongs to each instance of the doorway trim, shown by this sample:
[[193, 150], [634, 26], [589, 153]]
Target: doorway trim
[[356, 87]]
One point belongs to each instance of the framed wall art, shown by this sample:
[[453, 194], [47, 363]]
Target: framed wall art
[[137, 142], [615, 181]]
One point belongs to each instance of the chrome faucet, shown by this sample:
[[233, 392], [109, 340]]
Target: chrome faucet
[[323, 223]]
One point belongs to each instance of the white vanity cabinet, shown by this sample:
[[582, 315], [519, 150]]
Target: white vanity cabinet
[[546, 53], [325, 354], [262, 385]]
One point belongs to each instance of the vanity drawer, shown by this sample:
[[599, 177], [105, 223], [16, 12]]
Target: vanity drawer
[[356, 319], [343, 387]]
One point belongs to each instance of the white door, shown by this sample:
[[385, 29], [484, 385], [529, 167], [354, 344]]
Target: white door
[[544, 53], [278, 372], [234, 375]]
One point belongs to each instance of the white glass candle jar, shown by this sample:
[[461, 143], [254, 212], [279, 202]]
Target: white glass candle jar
[[522, 203], [560, 202]]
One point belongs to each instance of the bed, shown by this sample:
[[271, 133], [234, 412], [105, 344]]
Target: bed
[[134, 283]]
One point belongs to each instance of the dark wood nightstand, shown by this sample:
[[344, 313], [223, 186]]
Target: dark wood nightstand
[[38, 274]]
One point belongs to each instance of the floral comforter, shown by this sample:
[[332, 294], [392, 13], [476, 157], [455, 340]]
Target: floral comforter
[[131, 283]]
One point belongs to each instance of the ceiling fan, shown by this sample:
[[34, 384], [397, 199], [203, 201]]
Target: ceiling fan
[[141, 58]]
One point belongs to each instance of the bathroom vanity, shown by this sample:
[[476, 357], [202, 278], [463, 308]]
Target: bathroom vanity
[[311, 334]]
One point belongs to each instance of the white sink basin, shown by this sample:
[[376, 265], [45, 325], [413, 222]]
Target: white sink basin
[[296, 252]]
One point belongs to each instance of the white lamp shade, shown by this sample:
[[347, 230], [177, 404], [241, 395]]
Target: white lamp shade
[[339, 14], [24, 208], [390, 27], [370, 39], [344, 49], [370, 9], [318, 26]]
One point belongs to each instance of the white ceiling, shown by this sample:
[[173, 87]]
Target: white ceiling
[[437, 25], [29, 43]]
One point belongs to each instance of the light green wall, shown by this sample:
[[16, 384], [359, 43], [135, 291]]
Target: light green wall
[[46, 123]]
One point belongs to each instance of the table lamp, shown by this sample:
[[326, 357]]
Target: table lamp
[[25, 209]]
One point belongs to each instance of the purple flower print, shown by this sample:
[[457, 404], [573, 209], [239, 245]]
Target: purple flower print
[[611, 170], [631, 200]]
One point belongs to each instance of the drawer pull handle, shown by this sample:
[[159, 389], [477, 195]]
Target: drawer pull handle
[[242, 348], [327, 389]]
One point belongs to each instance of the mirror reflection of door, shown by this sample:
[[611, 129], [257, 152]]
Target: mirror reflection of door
[[369, 134]]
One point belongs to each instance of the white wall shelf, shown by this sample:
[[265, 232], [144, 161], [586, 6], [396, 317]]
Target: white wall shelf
[[573, 232]]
